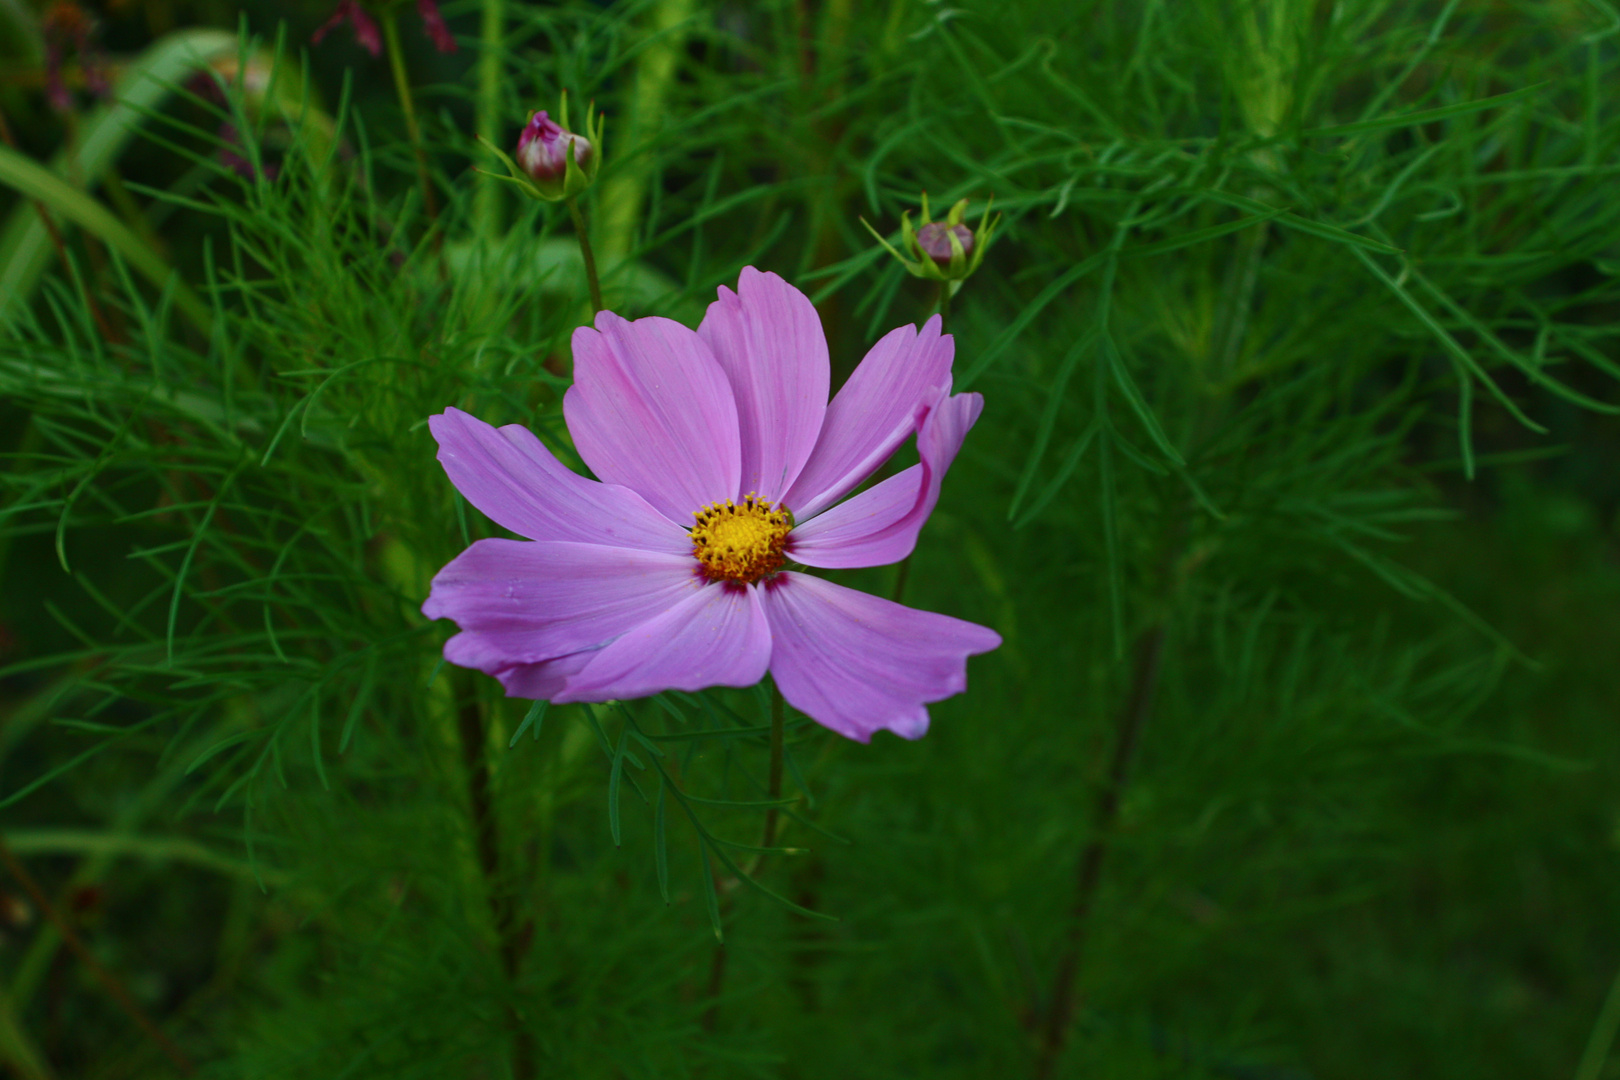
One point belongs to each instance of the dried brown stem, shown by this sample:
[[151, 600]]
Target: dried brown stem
[[1132, 718], [114, 988], [470, 726], [96, 314]]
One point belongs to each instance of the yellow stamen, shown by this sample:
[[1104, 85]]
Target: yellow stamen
[[741, 543]]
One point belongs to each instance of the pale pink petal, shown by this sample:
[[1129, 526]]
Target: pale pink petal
[[880, 525], [650, 409], [856, 663], [872, 414], [521, 601], [517, 483], [718, 637], [768, 340], [542, 681]]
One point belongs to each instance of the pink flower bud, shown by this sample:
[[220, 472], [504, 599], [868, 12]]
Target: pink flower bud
[[935, 240], [542, 149]]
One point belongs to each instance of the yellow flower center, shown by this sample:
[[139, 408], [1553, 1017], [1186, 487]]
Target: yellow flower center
[[741, 543]]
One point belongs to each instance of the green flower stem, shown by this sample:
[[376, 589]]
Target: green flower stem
[[1054, 1028], [402, 87], [900, 579], [944, 307], [487, 206], [1602, 1037], [774, 788], [620, 200], [717, 963], [470, 727], [585, 253]]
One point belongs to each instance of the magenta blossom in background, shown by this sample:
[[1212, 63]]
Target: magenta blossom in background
[[721, 460], [433, 23], [370, 38], [365, 27]]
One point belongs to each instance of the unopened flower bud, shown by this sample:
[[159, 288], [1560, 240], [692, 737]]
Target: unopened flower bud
[[935, 241], [543, 148], [554, 163], [941, 250]]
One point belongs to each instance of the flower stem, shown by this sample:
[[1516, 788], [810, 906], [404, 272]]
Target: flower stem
[[114, 988], [487, 206], [1132, 718], [773, 787], [585, 252], [402, 86], [475, 755], [900, 579], [774, 781], [944, 307]]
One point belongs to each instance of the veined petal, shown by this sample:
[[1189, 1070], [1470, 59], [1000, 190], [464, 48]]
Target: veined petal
[[880, 525], [650, 409], [718, 637], [545, 680], [517, 483], [768, 340], [523, 602], [872, 414], [856, 663]]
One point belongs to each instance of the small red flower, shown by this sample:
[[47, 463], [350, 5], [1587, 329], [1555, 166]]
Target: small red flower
[[433, 23], [366, 32], [365, 27]]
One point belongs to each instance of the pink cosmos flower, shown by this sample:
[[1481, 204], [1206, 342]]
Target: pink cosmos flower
[[721, 461]]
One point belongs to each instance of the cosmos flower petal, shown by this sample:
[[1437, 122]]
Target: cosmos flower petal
[[511, 477], [651, 409], [856, 663], [545, 680], [522, 602], [880, 525], [717, 637], [767, 338], [872, 414]]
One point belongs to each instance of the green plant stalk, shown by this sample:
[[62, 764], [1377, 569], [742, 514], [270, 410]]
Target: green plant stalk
[[623, 193], [402, 87], [1132, 718], [488, 203], [1601, 1041], [943, 306], [586, 254], [774, 781], [16, 1049], [717, 964], [38, 183], [900, 577], [475, 756]]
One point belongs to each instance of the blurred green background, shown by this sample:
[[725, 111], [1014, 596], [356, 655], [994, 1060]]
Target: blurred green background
[[1294, 500]]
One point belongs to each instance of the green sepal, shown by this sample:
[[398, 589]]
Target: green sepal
[[921, 264]]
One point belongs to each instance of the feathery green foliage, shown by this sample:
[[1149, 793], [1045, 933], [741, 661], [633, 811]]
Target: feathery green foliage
[[1293, 500]]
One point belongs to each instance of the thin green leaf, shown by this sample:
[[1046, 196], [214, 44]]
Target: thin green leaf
[[1424, 116]]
